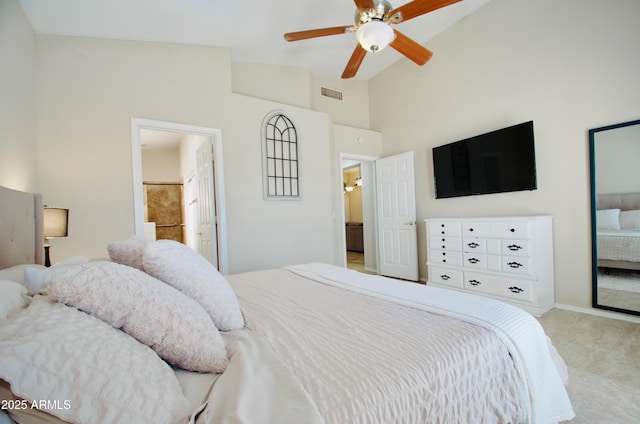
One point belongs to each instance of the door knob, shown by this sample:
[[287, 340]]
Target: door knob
[[409, 223]]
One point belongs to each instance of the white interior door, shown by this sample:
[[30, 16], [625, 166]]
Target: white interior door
[[397, 230], [207, 231]]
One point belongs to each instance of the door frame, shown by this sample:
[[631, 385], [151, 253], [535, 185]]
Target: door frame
[[215, 134]]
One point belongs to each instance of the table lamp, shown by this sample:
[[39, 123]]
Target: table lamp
[[56, 222]]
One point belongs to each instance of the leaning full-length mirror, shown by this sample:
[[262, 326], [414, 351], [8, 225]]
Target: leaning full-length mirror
[[615, 210]]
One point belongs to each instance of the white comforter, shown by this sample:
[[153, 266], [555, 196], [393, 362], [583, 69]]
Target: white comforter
[[362, 359], [521, 333], [623, 245]]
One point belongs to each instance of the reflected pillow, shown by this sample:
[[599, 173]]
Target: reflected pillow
[[608, 219], [630, 220], [156, 314]]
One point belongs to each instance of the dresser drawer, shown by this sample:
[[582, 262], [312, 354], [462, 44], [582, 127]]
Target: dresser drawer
[[499, 286], [481, 245], [518, 265], [444, 228], [444, 276], [517, 248], [445, 257], [482, 261], [445, 243], [513, 230]]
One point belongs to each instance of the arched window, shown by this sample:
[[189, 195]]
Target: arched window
[[280, 165]]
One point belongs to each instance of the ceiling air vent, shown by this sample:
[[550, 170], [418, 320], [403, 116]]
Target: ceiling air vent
[[328, 92]]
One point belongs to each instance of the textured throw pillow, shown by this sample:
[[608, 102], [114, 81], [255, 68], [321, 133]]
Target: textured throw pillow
[[608, 219], [164, 319], [183, 268], [630, 220], [128, 252], [12, 298], [86, 370]]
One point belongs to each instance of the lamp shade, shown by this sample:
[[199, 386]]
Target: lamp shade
[[375, 35], [55, 222]]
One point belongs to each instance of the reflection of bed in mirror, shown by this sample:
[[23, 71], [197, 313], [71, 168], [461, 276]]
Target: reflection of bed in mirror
[[618, 228]]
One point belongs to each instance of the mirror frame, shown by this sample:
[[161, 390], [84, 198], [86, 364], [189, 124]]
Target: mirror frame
[[594, 248]]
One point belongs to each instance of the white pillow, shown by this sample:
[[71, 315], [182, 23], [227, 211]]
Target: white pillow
[[630, 220], [158, 315], [128, 252], [16, 273], [34, 278], [183, 268], [608, 219], [85, 369], [12, 297]]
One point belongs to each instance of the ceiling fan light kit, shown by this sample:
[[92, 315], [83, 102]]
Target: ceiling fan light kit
[[374, 32], [375, 35]]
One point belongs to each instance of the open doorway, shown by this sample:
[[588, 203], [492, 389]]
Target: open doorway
[[358, 184], [354, 223], [189, 141]]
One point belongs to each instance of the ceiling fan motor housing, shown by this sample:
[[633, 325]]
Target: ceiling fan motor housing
[[382, 8], [374, 33]]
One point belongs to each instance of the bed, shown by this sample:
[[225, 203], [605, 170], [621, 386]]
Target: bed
[[105, 341], [618, 231]]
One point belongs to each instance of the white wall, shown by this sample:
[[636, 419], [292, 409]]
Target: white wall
[[271, 233], [161, 165], [617, 155], [18, 164], [568, 66], [282, 84], [88, 90], [298, 87]]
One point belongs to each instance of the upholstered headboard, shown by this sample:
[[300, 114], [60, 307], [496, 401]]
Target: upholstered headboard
[[21, 232], [624, 201]]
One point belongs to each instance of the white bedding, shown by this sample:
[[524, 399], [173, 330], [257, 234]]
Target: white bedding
[[521, 333], [619, 245], [348, 353], [313, 353]]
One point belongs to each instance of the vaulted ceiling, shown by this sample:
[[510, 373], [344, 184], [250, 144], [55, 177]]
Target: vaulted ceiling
[[252, 29]]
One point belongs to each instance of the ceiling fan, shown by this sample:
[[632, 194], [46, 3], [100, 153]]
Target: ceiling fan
[[374, 32]]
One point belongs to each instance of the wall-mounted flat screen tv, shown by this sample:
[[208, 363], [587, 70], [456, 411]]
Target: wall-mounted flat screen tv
[[495, 162]]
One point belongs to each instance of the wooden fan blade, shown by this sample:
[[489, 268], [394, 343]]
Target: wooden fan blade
[[364, 4], [412, 50], [417, 8], [322, 32], [354, 63]]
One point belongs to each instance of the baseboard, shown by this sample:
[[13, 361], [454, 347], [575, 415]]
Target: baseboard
[[600, 312]]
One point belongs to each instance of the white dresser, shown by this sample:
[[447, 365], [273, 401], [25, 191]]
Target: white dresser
[[507, 258]]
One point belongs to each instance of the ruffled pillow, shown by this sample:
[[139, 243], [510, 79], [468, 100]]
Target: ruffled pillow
[[183, 268], [128, 252], [170, 323], [85, 369]]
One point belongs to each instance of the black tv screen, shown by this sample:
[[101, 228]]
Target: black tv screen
[[495, 162]]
